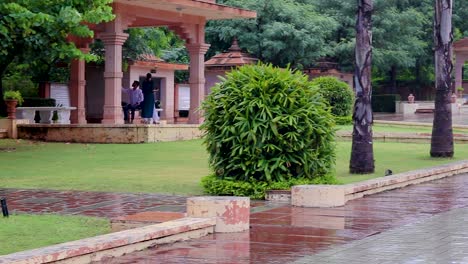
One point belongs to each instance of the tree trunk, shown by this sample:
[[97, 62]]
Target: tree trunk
[[362, 154], [442, 134]]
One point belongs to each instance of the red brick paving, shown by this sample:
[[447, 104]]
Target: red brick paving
[[98, 204]]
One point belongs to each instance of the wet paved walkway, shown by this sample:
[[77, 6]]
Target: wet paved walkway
[[283, 234], [439, 239], [100, 204], [288, 234]]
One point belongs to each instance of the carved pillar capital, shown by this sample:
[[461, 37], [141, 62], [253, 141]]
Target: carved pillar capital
[[113, 38], [197, 48]]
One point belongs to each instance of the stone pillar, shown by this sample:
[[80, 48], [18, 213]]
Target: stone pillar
[[460, 60], [232, 213], [77, 90], [197, 80], [113, 77]]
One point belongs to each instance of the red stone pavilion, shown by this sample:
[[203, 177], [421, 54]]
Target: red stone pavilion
[[185, 17]]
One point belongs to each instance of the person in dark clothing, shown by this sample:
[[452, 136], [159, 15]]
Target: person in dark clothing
[[147, 105]]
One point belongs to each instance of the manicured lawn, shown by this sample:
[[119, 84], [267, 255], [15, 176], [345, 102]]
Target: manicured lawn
[[173, 167], [399, 157], [170, 167], [23, 232]]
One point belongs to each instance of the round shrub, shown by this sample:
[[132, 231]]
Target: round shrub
[[265, 124], [337, 93]]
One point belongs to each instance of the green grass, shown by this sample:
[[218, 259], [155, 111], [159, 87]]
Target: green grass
[[399, 157], [23, 232], [169, 167]]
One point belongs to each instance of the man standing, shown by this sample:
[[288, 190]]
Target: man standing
[[135, 97]]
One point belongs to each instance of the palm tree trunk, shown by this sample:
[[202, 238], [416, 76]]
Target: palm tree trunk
[[362, 154], [442, 134]]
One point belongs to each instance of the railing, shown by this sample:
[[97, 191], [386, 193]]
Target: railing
[[46, 114]]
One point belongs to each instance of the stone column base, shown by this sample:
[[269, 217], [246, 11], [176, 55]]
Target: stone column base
[[232, 213]]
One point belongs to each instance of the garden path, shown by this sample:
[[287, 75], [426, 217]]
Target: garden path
[[434, 214]]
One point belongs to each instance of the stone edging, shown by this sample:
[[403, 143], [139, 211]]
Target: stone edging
[[115, 244], [402, 137], [338, 195]]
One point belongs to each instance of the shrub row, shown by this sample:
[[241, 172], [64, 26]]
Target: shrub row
[[256, 189], [384, 103], [38, 102]]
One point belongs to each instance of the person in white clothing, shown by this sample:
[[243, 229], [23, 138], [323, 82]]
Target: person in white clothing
[[135, 97]]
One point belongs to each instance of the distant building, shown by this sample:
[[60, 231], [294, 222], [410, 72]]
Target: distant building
[[224, 62], [327, 68]]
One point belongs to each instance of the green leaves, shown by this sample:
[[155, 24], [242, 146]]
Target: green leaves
[[338, 94], [34, 30], [268, 124]]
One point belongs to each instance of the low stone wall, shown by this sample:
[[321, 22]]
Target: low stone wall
[[99, 133], [10, 125], [402, 137], [338, 195], [115, 244]]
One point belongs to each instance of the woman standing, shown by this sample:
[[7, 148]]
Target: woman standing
[[148, 100]]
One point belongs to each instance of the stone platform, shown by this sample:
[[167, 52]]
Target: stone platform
[[101, 133]]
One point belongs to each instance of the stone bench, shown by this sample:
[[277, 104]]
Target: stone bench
[[46, 113]]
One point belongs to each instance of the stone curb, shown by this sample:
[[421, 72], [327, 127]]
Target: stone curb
[[338, 195], [402, 137], [115, 244], [403, 123]]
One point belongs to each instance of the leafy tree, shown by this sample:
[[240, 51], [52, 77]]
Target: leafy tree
[[400, 31], [33, 30], [442, 134], [362, 154], [285, 32]]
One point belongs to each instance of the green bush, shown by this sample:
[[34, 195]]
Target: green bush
[[13, 95], [256, 189], [343, 120], [337, 93], [269, 125], [19, 81], [384, 102], [37, 102]]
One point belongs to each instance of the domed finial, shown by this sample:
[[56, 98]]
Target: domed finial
[[235, 45]]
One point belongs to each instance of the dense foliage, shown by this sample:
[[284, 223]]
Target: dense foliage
[[337, 93], [384, 103], [402, 34], [268, 124], [285, 32]]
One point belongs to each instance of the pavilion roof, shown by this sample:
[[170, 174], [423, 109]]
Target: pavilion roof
[[233, 57], [149, 60], [461, 45], [208, 9]]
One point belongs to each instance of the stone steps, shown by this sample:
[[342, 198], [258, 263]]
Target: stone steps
[[3, 133]]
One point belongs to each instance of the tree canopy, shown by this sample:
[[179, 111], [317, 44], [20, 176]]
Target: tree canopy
[[285, 31], [36, 31]]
